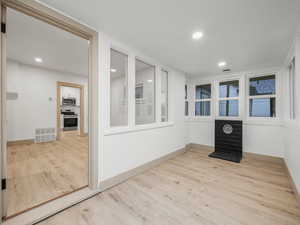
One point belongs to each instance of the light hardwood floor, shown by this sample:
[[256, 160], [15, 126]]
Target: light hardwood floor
[[40, 172], [193, 189]]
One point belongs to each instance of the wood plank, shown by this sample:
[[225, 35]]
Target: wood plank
[[41, 172], [193, 189]]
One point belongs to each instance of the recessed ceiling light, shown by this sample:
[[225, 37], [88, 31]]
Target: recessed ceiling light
[[221, 64], [39, 60], [197, 35], [113, 70]]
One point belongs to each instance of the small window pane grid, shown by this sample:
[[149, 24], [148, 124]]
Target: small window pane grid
[[292, 89], [262, 96], [203, 100], [228, 98], [164, 96]]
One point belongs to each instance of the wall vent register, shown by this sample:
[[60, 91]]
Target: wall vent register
[[228, 140]]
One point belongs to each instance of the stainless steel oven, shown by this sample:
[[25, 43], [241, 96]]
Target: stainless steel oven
[[70, 122]]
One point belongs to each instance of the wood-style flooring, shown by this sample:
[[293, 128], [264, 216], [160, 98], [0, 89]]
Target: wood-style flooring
[[43, 171], [193, 189]]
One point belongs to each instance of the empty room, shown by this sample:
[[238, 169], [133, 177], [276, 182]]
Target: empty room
[[150, 112]]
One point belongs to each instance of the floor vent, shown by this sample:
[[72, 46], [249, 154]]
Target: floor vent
[[44, 135]]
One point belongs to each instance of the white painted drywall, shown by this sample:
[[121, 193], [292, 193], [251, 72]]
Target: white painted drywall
[[123, 149], [35, 106], [291, 130], [257, 138]]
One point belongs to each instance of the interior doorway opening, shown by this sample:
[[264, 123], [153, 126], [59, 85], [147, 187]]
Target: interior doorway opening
[[39, 165]]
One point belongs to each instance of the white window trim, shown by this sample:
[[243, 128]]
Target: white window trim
[[240, 103], [132, 127], [162, 69], [292, 78], [187, 100], [203, 100], [276, 96]]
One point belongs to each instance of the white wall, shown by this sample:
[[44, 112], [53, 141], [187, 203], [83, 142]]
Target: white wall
[[292, 126], [259, 136], [125, 148], [35, 106]]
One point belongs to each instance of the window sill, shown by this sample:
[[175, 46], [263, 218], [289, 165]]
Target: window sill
[[249, 121], [137, 128], [199, 119]]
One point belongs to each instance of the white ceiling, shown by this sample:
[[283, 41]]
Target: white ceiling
[[248, 34], [28, 38]]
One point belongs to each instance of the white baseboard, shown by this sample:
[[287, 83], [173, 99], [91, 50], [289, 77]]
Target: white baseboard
[[133, 172], [294, 187], [37, 214]]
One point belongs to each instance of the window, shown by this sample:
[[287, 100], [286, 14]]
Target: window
[[145, 93], [292, 88], [229, 98], [164, 96], [186, 103], [118, 88], [262, 96], [203, 100]]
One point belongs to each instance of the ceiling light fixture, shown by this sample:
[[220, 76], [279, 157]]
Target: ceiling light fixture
[[221, 64], [38, 60], [197, 35], [149, 81], [113, 70]]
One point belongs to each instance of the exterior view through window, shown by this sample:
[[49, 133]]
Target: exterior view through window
[[262, 96], [203, 100], [229, 98]]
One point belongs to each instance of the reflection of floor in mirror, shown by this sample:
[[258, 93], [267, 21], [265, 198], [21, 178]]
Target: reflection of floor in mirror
[[40, 172]]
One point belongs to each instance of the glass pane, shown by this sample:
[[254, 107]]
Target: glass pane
[[262, 107], [203, 91], [164, 96], [262, 85], [202, 108], [229, 89], [185, 91], [229, 108], [118, 88], [145, 93], [186, 108]]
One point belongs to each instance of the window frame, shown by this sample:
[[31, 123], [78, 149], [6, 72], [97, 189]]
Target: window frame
[[186, 101], [292, 88], [239, 98], [121, 51], [248, 97], [203, 100], [160, 90]]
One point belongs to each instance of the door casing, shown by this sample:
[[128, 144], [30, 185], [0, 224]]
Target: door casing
[[44, 13]]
